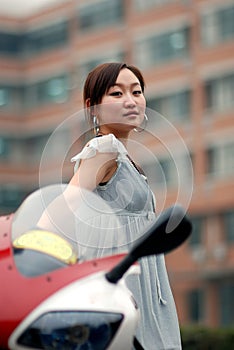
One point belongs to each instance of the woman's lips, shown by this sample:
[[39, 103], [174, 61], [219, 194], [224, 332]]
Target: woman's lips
[[131, 114]]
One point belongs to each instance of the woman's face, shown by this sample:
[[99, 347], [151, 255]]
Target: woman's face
[[123, 106]]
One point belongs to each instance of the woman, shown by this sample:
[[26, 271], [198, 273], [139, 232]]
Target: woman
[[114, 98]]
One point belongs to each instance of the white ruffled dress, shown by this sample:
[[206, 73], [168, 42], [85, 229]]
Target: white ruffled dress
[[132, 202]]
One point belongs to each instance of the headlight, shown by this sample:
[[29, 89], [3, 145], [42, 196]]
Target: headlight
[[72, 330]]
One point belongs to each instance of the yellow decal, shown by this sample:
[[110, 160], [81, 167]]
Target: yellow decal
[[49, 243]]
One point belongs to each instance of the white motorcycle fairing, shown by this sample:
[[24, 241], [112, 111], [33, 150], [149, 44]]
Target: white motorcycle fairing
[[93, 294]]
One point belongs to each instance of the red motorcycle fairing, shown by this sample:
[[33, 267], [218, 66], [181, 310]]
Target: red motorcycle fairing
[[19, 294]]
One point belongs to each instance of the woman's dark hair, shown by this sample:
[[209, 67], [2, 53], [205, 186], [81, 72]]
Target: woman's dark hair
[[101, 78]]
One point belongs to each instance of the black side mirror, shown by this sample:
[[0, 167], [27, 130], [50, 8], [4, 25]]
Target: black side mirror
[[170, 230]]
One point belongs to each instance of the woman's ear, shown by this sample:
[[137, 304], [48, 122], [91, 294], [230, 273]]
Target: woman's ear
[[87, 103]]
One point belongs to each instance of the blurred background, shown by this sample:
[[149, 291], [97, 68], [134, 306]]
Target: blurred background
[[185, 49]]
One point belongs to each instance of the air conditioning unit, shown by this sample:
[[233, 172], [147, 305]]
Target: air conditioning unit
[[219, 252], [198, 253]]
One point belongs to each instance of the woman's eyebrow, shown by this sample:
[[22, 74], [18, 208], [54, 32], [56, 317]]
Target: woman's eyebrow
[[120, 84]]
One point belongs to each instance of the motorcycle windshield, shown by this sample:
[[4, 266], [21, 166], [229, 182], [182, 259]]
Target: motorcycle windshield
[[65, 223]]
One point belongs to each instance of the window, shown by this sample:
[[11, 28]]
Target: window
[[169, 171], [17, 149], [11, 97], [175, 107], [100, 14], [15, 98], [229, 225], [220, 160], [210, 157], [11, 196], [226, 292], [52, 90], [217, 26], [46, 38], [162, 173], [144, 5], [196, 305], [10, 43], [4, 96], [54, 146], [220, 93], [35, 41], [162, 48], [3, 147], [195, 239], [36, 145]]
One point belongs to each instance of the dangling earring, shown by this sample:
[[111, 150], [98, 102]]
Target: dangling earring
[[142, 128], [96, 125]]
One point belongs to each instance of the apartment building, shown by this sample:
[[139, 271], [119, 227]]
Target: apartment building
[[186, 52]]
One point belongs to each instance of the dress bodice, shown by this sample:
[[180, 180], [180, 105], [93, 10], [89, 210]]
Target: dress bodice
[[127, 190]]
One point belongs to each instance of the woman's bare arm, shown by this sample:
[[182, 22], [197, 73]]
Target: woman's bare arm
[[95, 170], [90, 173]]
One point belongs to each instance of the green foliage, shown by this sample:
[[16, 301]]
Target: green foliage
[[204, 338]]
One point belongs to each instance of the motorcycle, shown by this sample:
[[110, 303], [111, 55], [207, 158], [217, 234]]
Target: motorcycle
[[51, 298]]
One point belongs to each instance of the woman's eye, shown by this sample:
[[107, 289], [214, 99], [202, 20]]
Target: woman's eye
[[137, 92], [115, 93]]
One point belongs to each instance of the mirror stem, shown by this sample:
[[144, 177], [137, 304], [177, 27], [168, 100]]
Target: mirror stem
[[119, 270]]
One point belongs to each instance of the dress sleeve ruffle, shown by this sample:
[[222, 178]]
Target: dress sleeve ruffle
[[105, 144]]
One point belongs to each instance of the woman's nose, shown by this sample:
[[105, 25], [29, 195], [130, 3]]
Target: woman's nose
[[129, 101]]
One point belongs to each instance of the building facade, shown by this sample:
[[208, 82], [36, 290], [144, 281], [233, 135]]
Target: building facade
[[185, 50]]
